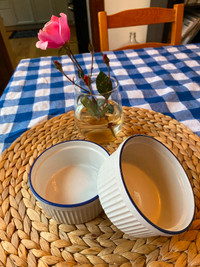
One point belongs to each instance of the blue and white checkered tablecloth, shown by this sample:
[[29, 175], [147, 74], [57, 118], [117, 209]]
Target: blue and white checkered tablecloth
[[165, 80]]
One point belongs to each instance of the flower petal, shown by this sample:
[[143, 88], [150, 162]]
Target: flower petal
[[51, 34], [64, 29], [42, 45], [54, 18]]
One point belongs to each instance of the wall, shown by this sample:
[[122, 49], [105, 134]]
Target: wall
[[156, 31], [120, 37], [7, 13], [24, 12]]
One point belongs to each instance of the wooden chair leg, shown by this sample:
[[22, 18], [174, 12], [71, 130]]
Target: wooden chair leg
[[7, 59]]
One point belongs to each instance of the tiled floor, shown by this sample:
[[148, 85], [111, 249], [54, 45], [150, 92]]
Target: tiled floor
[[25, 47]]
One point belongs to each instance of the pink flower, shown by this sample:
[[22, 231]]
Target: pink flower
[[55, 33]]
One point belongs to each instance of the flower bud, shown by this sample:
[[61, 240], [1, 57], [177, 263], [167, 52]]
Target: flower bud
[[58, 65], [55, 33], [86, 80], [80, 74], [105, 59], [91, 47]]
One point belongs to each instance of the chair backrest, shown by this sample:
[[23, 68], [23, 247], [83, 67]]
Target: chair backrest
[[142, 16]]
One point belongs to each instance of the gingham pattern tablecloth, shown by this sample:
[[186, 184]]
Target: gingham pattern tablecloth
[[165, 80]]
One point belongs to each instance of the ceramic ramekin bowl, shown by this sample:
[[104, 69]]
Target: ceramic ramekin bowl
[[144, 190], [64, 180]]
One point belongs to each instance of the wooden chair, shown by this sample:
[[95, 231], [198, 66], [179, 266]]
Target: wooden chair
[[142, 16]]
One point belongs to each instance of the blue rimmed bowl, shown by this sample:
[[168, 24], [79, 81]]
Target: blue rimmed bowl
[[64, 180], [144, 189]]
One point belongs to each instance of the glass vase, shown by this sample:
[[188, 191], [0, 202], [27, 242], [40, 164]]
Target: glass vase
[[104, 127]]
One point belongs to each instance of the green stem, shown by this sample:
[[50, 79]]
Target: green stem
[[92, 63], [91, 93], [110, 126], [111, 129], [88, 92], [108, 71], [74, 60]]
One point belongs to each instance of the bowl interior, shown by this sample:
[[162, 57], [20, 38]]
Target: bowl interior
[[157, 183], [66, 173]]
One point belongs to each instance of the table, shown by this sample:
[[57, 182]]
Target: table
[[166, 80]]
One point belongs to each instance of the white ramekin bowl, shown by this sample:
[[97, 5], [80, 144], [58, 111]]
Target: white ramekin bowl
[[144, 190], [64, 180]]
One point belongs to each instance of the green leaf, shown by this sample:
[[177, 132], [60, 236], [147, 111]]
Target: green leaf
[[104, 107], [80, 74], [108, 108], [90, 105], [100, 102], [79, 98], [104, 84]]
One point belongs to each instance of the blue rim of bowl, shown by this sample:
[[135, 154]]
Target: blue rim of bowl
[[132, 201], [57, 204]]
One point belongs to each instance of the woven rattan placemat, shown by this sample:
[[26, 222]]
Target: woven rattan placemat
[[29, 238]]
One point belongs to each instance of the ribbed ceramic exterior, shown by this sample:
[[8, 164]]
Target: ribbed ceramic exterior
[[69, 153], [115, 203], [121, 209], [74, 215]]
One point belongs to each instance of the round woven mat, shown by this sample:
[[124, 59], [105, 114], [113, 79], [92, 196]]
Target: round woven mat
[[28, 237]]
